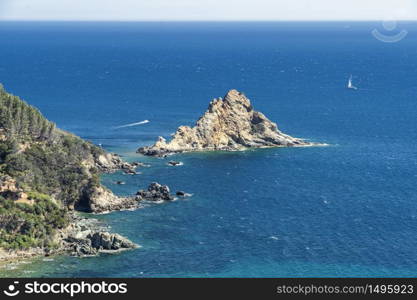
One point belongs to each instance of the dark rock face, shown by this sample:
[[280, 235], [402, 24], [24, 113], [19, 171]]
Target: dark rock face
[[155, 192], [183, 194], [180, 193], [81, 246], [130, 172]]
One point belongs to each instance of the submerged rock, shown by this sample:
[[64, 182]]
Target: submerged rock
[[155, 192], [230, 124], [140, 164], [130, 172], [182, 194]]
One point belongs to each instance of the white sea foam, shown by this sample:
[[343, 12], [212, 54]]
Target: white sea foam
[[48, 259]]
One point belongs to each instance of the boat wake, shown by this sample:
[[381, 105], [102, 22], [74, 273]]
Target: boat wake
[[132, 124]]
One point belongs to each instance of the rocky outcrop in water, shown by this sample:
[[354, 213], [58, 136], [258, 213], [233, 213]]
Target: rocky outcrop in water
[[111, 162], [86, 237], [106, 241], [183, 194], [101, 200], [155, 192], [99, 242], [230, 124]]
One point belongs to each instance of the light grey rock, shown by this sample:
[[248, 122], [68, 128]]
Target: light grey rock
[[101, 200], [230, 124], [87, 236], [110, 241]]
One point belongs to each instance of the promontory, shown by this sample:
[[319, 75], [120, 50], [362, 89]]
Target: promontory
[[45, 175], [230, 124]]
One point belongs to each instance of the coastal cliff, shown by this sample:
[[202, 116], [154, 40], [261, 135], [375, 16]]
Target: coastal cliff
[[230, 124], [45, 174]]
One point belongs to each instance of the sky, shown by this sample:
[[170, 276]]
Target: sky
[[205, 10]]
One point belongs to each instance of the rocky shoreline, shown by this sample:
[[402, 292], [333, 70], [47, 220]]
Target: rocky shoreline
[[99, 199], [83, 237], [87, 236], [229, 124], [112, 162], [47, 175], [90, 237]]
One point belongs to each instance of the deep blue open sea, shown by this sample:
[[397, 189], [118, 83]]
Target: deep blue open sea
[[349, 209]]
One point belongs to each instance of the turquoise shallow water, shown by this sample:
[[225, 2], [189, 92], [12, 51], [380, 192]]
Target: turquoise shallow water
[[344, 210]]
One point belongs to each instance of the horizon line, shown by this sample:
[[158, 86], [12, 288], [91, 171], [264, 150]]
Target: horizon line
[[201, 21]]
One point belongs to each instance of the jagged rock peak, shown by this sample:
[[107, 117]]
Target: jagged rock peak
[[230, 123], [235, 97]]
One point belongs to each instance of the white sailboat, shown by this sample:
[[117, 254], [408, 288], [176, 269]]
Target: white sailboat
[[350, 84]]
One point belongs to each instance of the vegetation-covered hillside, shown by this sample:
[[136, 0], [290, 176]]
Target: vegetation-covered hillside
[[44, 172]]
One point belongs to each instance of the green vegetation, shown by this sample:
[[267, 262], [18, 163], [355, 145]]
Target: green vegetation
[[22, 121], [25, 225], [54, 169], [47, 164]]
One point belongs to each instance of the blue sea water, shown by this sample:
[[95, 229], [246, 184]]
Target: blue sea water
[[349, 209]]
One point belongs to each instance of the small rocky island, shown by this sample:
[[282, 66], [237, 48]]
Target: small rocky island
[[229, 124]]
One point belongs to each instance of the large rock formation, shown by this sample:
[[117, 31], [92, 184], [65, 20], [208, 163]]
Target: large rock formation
[[230, 124]]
